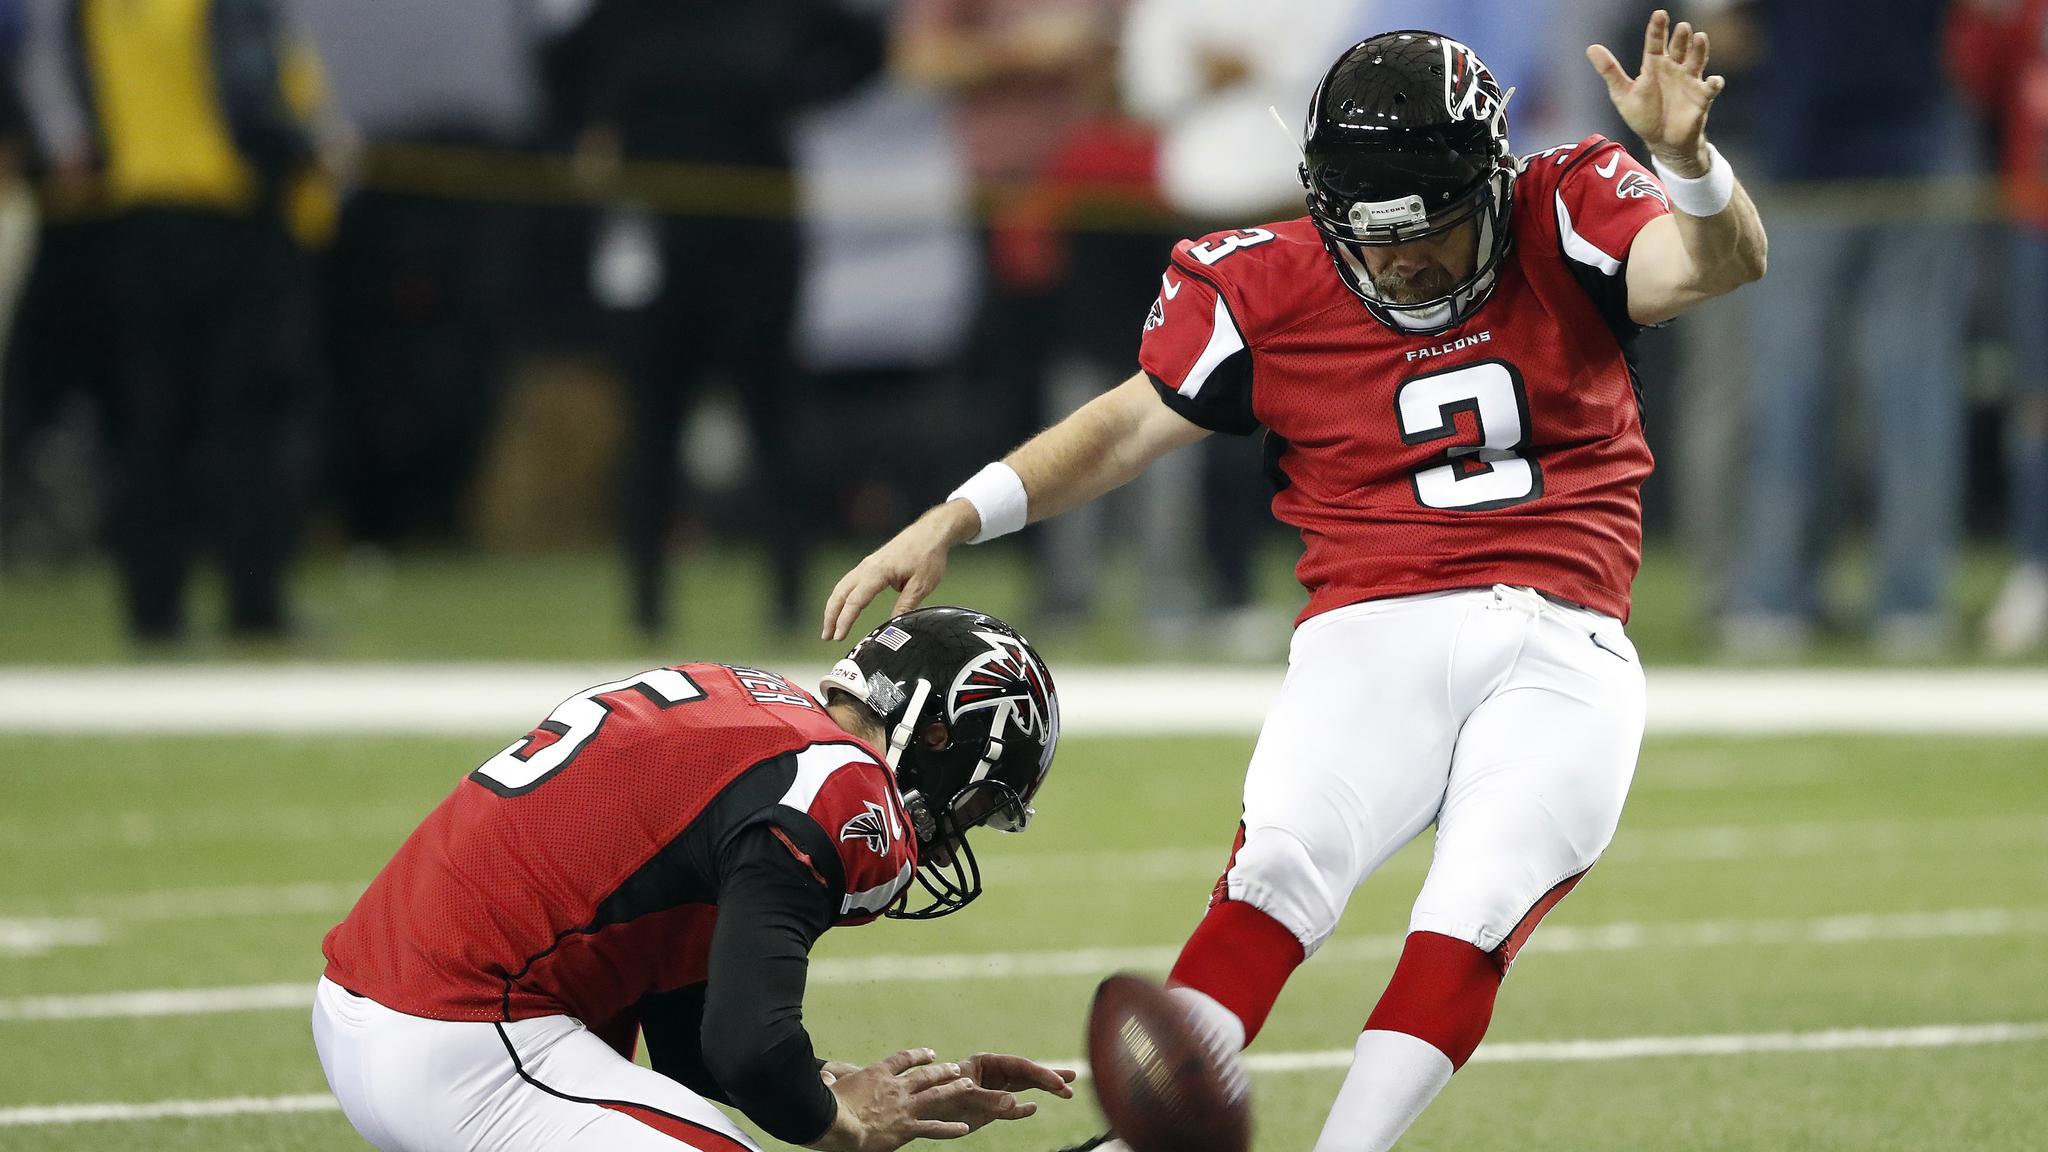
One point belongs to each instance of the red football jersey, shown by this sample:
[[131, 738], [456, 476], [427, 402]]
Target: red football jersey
[[1508, 450], [575, 871]]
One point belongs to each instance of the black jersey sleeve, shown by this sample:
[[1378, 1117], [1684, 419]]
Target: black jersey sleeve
[[1609, 293], [772, 907], [671, 1023]]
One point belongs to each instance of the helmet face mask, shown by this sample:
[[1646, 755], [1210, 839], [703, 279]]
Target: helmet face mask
[[972, 722], [1407, 140]]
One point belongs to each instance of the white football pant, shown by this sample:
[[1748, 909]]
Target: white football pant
[[410, 1084], [1509, 720]]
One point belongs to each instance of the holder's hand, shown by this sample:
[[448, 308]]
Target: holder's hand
[[1667, 103], [913, 563], [998, 1078], [902, 1098], [1006, 1073]]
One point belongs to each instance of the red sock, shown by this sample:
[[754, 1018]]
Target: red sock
[[1442, 992], [1240, 957]]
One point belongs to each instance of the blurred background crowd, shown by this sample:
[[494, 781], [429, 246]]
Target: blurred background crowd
[[284, 277]]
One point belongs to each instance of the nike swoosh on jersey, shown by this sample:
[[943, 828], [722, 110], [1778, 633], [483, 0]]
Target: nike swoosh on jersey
[[1606, 170], [1171, 290]]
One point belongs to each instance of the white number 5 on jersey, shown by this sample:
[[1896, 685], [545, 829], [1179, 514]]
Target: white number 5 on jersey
[[1473, 477], [575, 722]]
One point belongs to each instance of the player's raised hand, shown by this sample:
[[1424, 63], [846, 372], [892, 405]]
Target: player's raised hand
[[1667, 103], [913, 563]]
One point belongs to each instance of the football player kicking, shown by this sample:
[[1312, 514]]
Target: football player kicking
[[657, 858], [1439, 356]]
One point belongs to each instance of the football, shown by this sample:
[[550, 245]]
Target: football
[[1164, 1086]]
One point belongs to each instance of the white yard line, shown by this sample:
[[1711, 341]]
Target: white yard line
[[166, 1109], [1505, 1052], [1090, 962], [158, 1002], [503, 700], [35, 935], [210, 903]]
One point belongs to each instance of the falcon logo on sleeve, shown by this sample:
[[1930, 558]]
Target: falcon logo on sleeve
[[871, 826], [1635, 186]]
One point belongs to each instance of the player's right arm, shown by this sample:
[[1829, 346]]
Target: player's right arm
[[1102, 446]]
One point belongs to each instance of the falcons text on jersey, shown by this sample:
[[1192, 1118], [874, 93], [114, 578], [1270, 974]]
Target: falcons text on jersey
[[1507, 450], [575, 872]]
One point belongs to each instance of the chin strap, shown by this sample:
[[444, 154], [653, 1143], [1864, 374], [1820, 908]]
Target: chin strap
[[992, 751], [907, 727]]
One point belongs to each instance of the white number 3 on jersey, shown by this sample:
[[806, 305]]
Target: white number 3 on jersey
[[1210, 252], [1492, 473]]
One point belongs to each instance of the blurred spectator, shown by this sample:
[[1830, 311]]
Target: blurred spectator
[[1872, 286], [1031, 85], [1207, 72], [1099, 280], [890, 276], [416, 293], [61, 363], [1702, 444], [1209, 77], [17, 203], [1018, 74], [715, 82], [200, 143], [1018, 69], [1998, 49]]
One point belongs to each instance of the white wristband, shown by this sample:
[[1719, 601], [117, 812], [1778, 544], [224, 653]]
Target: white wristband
[[997, 493], [1704, 196]]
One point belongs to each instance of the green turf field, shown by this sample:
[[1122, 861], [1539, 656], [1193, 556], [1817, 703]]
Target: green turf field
[[208, 862], [570, 606]]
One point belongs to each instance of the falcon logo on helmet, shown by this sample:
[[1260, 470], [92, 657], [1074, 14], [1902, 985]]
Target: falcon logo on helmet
[[1470, 91], [1007, 672]]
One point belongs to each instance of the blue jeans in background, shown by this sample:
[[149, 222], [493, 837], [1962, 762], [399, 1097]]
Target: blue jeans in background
[[2027, 445], [1881, 305]]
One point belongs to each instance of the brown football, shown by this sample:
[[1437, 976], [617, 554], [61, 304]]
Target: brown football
[[1161, 1085]]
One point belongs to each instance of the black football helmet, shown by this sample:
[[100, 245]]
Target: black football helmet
[[972, 721], [1408, 138]]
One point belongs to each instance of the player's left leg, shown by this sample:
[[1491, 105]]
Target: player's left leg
[[411, 1084], [1537, 783], [577, 1092]]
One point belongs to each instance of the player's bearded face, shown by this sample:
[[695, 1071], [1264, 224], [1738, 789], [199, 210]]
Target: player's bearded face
[[1424, 269]]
